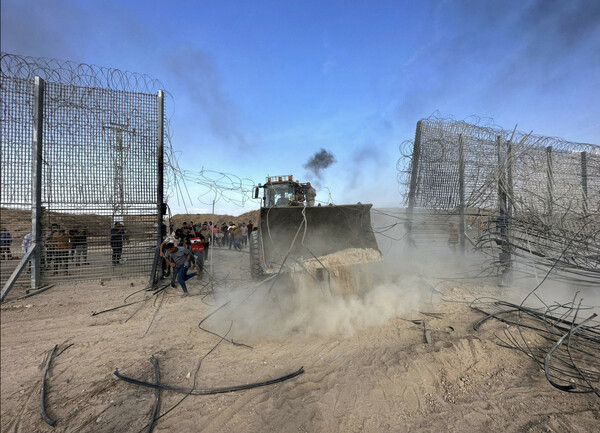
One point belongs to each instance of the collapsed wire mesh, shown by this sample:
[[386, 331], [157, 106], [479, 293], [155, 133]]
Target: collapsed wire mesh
[[537, 197], [562, 339]]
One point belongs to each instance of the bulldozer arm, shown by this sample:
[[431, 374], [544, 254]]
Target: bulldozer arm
[[302, 233]]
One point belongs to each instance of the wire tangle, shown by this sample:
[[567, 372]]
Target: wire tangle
[[533, 197], [562, 343]]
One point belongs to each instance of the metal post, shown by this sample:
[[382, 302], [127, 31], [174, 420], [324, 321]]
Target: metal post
[[550, 180], [161, 163], [118, 167], [160, 182], [502, 223], [412, 192], [501, 178], [212, 244], [36, 181], [584, 183], [461, 190], [510, 162]]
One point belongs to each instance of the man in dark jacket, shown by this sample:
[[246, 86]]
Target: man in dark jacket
[[117, 234]]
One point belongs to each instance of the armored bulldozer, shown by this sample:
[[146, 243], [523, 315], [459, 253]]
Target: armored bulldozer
[[290, 232]]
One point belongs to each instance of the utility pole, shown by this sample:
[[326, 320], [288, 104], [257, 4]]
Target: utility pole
[[118, 181]]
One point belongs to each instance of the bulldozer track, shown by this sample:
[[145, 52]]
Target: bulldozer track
[[255, 267]]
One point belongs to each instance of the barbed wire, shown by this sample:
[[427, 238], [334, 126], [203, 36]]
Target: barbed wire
[[80, 91], [220, 187], [77, 74], [99, 154]]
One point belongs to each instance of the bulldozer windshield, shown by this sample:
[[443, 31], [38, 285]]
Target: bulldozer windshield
[[279, 194]]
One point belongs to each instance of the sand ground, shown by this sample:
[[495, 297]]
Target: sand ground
[[382, 376]]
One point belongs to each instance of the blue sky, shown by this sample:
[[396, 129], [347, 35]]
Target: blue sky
[[259, 87]]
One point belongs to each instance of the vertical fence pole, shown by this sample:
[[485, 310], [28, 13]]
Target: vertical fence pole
[[510, 162], [412, 192], [584, 183], [36, 181], [212, 245], [501, 178], [550, 180], [461, 190], [502, 223], [160, 183]]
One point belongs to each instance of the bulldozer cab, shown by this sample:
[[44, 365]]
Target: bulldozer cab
[[279, 194], [280, 191]]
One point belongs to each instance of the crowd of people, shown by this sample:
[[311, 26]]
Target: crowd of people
[[189, 245], [184, 247], [62, 248], [58, 249]]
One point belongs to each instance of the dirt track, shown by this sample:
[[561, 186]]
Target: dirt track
[[382, 377]]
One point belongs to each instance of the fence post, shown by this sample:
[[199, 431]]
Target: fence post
[[502, 223], [36, 181], [550, 180], [160, 185], [584, 183], [461, 190], [412, 192], [510, 162], [501, 178]]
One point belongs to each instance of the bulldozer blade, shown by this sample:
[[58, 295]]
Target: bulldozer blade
[[301, 233]]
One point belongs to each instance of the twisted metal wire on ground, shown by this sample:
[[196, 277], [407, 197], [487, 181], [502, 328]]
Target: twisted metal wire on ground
[[567, 350], [210, 391], [156, 406], [50, 421]]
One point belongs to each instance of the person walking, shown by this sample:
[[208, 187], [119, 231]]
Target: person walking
[[215, 235], [236, 234], [26, 244], [80, 246], [62, 243], [116, 242], [230, 234], [244, 230], [179, 259], [207, 235], [194, 241], [225, 232], [5, 242]]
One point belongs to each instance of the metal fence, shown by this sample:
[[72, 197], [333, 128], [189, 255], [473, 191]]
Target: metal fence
[[531, 196], [82, 150], [546, 172]]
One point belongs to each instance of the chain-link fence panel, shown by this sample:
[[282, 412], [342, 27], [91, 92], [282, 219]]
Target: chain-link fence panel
[[100, 145], [540, 195]]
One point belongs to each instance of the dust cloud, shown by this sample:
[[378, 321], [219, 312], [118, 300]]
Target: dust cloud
[[359, 296], [303, 304]]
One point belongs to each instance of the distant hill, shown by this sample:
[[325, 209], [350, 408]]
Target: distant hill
[[18, 222], [179, 219]]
